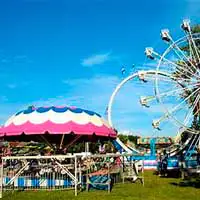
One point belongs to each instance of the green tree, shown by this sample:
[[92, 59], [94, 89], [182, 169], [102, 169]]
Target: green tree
[[123, 138]]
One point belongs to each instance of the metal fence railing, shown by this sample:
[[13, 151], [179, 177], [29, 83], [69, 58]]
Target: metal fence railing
[[61, 172], [103, 171], [40, 173]]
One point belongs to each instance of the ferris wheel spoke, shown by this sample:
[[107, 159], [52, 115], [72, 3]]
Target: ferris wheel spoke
[[161, 76], [191, 110], [195, 48], [180, 68], [167, 37], [198, 110], [172, 78], [191, 50], [153, 55], [174, 91], [184, 101], [187, 87], [156, 123], [189, 64], [191, 53], [186, 27], [145, 77], [182, 60], [145, 100]]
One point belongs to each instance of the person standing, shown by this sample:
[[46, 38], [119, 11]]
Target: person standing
[[182, 164], [164, 163], [198, 156]]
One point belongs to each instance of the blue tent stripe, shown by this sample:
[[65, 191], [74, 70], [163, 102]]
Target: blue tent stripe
[[43, 109], [22, 111], [60, 110], [56, 109]]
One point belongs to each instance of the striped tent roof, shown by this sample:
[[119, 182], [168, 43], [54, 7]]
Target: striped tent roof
[[56, 120]]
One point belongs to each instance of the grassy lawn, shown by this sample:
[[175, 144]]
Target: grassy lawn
[[155, 188]]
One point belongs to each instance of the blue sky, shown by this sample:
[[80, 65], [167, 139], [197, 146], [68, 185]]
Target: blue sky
[[67, 52]]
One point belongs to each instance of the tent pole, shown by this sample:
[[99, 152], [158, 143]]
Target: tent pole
[[47, 142], [62, 139]]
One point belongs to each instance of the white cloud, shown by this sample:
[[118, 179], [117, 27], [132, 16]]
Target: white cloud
[[3, 98], [21, 59], [67, 81], [5, 60], [62, 100], [12, 86], [96, 59], [17, 85]]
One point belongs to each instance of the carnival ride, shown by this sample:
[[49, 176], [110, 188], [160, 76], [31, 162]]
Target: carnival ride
[[58, 127], [176, 89]]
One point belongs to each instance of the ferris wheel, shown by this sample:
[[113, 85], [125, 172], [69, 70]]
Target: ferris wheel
[[176, 81]]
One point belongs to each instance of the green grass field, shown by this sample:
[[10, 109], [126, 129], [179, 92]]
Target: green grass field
[[155, 188]]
